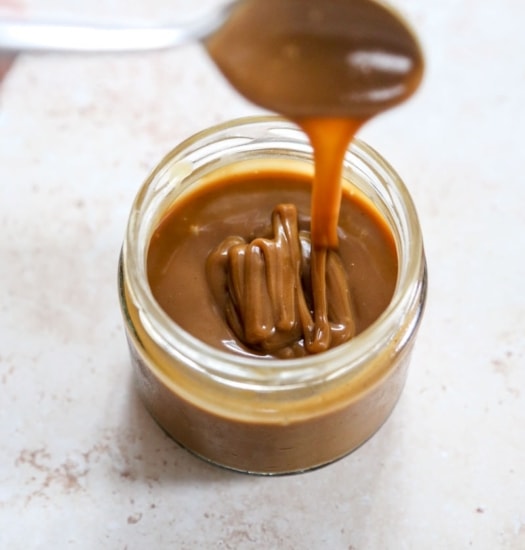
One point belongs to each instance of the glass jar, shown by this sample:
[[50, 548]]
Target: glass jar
[[256, 415]]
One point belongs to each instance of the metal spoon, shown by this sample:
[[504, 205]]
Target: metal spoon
[[19, 35]]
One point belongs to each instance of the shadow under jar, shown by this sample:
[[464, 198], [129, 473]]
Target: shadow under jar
[[254, 414]]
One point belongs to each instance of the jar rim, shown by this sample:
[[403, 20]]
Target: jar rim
[[264, 373]]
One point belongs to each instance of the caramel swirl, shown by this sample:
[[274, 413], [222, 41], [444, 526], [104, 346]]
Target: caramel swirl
[[279, 294]]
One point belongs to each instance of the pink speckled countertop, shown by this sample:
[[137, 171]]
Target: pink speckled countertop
[[83, 466]]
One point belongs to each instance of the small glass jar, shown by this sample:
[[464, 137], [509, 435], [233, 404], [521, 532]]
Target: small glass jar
[[258, 415]]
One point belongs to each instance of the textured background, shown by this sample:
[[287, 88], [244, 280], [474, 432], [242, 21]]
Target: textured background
[[83, 466]]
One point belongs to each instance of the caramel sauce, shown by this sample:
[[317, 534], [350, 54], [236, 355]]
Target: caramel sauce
[[226, 244]]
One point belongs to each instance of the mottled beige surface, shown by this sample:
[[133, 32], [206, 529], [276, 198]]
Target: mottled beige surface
[[83, 466]]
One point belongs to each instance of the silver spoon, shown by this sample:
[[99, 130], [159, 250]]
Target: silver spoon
[[19, 35]]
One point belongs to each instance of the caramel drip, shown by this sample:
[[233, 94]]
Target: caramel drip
[[330, 66], [329, 138], [281, 293]]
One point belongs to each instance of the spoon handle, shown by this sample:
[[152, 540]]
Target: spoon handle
[[63, 37]]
